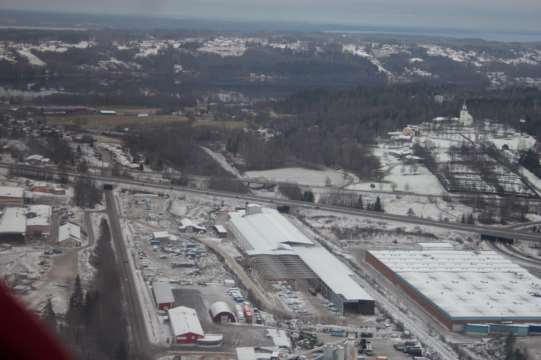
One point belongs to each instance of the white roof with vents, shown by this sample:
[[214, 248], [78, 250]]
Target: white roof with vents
[[13, 220], [42, 215], [11, 192], [267, 230], [468, 285], [163, 293], [264, 231], [184, 320], [69, 231]]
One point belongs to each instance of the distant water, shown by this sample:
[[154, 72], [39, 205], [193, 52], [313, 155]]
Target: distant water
[[451, 33], [58, 21]]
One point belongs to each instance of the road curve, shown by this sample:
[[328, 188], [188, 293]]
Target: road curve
[[515, 255]]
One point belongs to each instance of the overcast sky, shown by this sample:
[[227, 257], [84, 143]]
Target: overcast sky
[[460, 14]]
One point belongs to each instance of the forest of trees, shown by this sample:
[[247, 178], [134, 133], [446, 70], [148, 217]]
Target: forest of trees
[[86, 193], [178, 147]]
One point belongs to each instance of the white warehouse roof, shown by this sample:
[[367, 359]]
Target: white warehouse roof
[[160, 235], [436, 245], [11, 191], [69, 231], [333, 272], [42, 215], [468, 285], [220, 229], [184, 320], [162, 292], [269, 232], [13, 220], [188, 223]]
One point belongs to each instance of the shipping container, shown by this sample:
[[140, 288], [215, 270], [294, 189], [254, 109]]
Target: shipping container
[[534, 329], [479, 329], [338, 332], [248, 313]]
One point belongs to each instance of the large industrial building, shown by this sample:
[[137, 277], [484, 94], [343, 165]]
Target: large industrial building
[[16, 223], [11, 196], [278, 250], [12, 224], [463, 287]]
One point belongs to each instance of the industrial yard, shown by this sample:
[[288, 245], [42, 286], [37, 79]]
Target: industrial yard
[[257, 275]]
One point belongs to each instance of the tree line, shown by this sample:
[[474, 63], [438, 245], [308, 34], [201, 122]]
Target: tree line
[[95, 325]]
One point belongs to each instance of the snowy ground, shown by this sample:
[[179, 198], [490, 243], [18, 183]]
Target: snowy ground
[[182, 259], [534, 180], [220, 159], [32, 59], [305, 176], [353, 232], [406, 179], [400, 175]]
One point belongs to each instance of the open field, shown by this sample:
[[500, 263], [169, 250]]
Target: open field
[[109, 122], [304, 176], [229, 125], [104, 122]]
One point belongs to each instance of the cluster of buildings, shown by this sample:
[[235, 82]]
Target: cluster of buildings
[[19, 222], [119, 155], [465, 118], [278, 251], [185, 326]]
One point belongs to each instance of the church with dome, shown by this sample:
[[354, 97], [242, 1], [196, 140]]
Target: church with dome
[[466, 119]]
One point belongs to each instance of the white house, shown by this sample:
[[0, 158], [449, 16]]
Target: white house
[[69, 235]]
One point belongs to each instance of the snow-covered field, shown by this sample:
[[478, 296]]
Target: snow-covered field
[[304, 176], [403, 178], [351, 233]]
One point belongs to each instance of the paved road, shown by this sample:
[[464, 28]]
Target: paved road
[[517, 256], [141, 349], [319, 189], [525, 225], [419, 331], [492, 231]]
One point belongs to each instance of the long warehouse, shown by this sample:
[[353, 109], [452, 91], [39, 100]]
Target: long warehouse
[[278, 250], [463, 287]]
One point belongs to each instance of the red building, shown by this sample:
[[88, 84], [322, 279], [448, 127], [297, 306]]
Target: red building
[[185, 325]]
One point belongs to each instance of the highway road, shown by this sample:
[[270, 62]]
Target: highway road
[[492, 231], [516, 256], [140, 348], [525, 225], [314, 188]]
